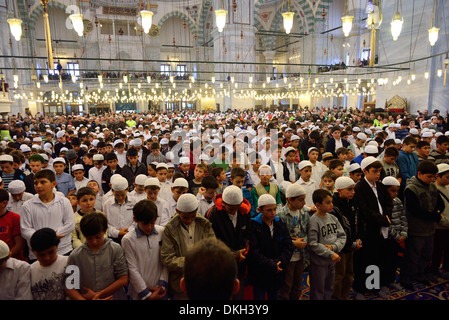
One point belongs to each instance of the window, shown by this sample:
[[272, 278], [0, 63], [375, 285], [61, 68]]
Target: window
[[106, 27], [165, 69], [366, 54], [181, 70], [121, 27], [73, 69], [53, 71]]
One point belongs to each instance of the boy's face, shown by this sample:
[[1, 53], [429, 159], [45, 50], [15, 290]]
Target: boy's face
[[151, 171], [443, 147], [87, 202], [424, 151], [336, 134], [109, 149], [112, 163], [328, 183], [152, 193], [238, 181], [17, 196], [355, 176], [94, 186], [326, 205], [170, 173], [73, 201], [409, 148], [87, 160], [6, 167], [184, 166], [46, 257], [146, 228], [373, 174], [179, 191], [256, 165], [390, 159], [199, 173], [162, 175], [187, 217], [393, 191], [96, 242], [139, 188], [120, 196], [443, 179], [427, 177], [98, 164], [338, 171], [79, 175], [133, 160], [265, 178], [306, 173], [102, 150], [343, 156], [268, 212], [35, 166], [155, 151], [295, 143], [210, 194], [290, 157], [43, 186], [59, 168], [298, 202], [347, 193], [313, 156]]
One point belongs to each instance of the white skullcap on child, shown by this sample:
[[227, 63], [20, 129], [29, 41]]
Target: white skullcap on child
[[266, 199], [180, 182], [119, 184], [391, 181], [4, 249], [294, 190], [343, 183], [265, 170], [16, 187], [187, 203], [232, 195], [140, 179], [152, 182]]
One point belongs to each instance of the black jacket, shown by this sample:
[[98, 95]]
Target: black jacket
[[330, 146], [131, 174], [266, 251], [106, 178]]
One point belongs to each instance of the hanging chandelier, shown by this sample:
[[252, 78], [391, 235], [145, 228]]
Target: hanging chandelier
[[396, 23], [220, 17], [77, 21], [346, 21]]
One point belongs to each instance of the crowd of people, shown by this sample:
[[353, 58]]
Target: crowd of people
[[133, 201]]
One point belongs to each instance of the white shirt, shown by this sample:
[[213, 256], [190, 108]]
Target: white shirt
[[95, 174], [338, 144], [169, 211], [165, 191], [138, 196], [121, 158], [120, 216], [309, 187], [162, 206], [17, 206], [48, 283], [80, 184], [317, 171], [142, 254], [57, 215], [203, 204], [15, 280]]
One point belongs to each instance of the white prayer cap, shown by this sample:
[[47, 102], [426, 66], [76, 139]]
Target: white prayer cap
[[7, 158], [16, 187], [116, 142], [119, 184], [294, 137], [162, 165], [390, 181], [371, 149], [95, 142], [265, 170], [343, 183], [170, 155], [356, 129], [24, 148], [59, 159], [98, 157], [443, 167], [4, 249], [140, 179], [115, 176], [204, 157], [180, 182], [294, 190], [304, 163], [373, 143], [137, 142], [414, 131], [232, 195], [367, 161], [60, 134], [77, 167], [48, 145], [265, 199], [353, 166], [187, 203], [184, 160], [362, 136], [427, 134], [152, 182]]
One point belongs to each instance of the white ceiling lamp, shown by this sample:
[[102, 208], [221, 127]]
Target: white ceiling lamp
[[15, 26], [398, 20], [147, 20], [220, 18], [433, 30], [346, 21], [287, 16], [77, 22]]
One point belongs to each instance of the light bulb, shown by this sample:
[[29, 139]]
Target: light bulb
[[147, 20], [220, 17], [347, 24], [288, 21]]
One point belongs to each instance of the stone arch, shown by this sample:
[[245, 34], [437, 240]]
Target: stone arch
[[39, 11], [180, 15]]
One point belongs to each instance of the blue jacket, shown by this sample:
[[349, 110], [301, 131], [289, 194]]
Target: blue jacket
[[408, 165], [248, 196]]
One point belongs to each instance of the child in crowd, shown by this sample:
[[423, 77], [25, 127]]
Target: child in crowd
[[10, 231], [17, 196], [110, 259], [318, 167], [152, 169], [347, 212], [439, 155], [95, 173], [206, 194], [36, 164], [100, 199], [326, 159], [64, 181], [337, 166], [343, 155], [112, 168], [199, 174], [355, 172], [48, 272], [15, 276], [270, 250], [291, 171], [86, 201], [305, 168], [133, 167], [139, 188], [424, 208], [79, 179], [296, 217], [73, 202], [148, 278], [326, 239], [118, 210], [328, 181], [48, 209], [408, 162], [152, 189], [389, 166], [255, 161], [265, 186], [179, 187], [237, 178], [423, 150], [397, 231], [220, 175], [162, 173]]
